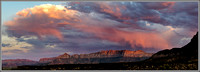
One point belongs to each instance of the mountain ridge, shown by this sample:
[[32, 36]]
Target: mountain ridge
[[96, 57], [10, 63], [190, 50], [100, 54]]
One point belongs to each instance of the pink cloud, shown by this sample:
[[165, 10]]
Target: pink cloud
[[134, 38], [41, 20]]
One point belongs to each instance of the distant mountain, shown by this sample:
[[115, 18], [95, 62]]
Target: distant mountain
[[108, 56], [10, 63]]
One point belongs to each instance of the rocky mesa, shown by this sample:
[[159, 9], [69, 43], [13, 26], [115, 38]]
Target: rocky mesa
[[107, 56]]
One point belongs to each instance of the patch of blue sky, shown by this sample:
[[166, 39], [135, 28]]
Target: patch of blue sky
[[10, 8]]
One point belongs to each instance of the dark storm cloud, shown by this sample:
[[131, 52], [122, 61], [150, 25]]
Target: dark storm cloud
[[176, 14], [120, 11], [80, 46], [127, 12], [35, 42], [6, 45], [73, 40], [13, 51], [74, 33], [189, 7]]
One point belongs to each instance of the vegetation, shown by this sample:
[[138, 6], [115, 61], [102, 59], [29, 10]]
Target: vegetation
[[142, 65]]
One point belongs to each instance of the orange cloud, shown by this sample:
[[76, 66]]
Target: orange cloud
[[114, 10], [41, 20], [160, 5], [111, 10], [170, 5]]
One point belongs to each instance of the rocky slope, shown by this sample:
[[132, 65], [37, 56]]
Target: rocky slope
[[189, 51], [108, 56], [184, 58]]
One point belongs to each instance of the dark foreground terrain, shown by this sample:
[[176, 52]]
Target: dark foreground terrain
[[185, 58], [190, 65]]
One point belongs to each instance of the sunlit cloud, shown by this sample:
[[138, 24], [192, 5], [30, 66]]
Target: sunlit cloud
[[41, 20]]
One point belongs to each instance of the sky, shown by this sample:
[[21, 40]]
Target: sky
[[34, 30]]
